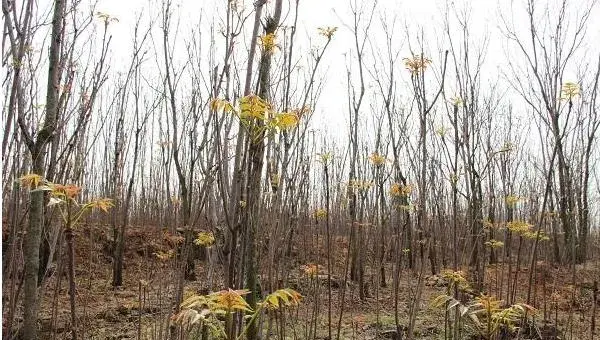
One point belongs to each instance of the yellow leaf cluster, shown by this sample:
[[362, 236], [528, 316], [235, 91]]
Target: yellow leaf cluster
[[399, 190], [494, 244], [268, 42], [286, 120], [489, 303], [486, 313], [31, 180], [417, 63], [532, 235], [275, 179], [456, 279], [569, 91], [377, 159], [512, 200], [488, 224], [103, 204], [490, 309], [212, 307], [454, 276], [61, 193], [456, 101], [165, 256], [453, 178], [285, 297], [253, 106], [519, 227], [327, 32], [441, 131], [217, 104], [320, 213], [231, 300], [224, 301], [107, 18], [324, 157], [361, 185], [204, 239]]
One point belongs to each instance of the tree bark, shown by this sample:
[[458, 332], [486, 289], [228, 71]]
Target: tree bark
[[256, 155], [38, 154]]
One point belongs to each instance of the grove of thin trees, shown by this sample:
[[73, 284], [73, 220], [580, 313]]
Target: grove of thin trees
[[237, 173]]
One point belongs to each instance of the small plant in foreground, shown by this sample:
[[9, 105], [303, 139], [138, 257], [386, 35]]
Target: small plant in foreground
[[198, 311], [486, 315]]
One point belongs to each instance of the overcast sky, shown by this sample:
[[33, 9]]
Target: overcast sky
[[425, 14], [410, 16]]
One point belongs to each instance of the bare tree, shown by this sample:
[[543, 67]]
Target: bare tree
[[123, 196], [547, 58]]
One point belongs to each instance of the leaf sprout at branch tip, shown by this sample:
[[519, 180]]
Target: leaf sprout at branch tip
[[327, 32], [417, 63]]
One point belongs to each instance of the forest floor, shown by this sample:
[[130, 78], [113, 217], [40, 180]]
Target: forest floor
[[143, 305]]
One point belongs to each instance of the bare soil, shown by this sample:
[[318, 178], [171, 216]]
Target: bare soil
[[142, 307]]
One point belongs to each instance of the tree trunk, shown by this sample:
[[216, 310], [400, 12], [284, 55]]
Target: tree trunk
[[72, 290], [253, 198], [38, 154]]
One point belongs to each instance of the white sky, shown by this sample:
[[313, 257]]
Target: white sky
[[332, 109], [314, 14]]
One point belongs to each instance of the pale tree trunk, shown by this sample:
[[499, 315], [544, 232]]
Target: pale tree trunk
[[37, 149], [256, 154]]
